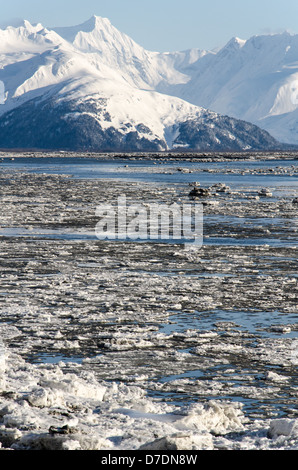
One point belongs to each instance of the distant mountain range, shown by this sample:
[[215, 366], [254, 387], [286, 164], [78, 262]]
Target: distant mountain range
[[91, 87]]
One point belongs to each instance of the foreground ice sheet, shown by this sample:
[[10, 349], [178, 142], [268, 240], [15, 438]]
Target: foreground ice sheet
[[44, 408], [107, 345]]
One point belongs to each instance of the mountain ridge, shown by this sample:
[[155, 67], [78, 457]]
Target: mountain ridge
[[256, 81], [93, 77]]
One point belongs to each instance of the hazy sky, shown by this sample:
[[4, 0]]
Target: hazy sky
[[165, 25]]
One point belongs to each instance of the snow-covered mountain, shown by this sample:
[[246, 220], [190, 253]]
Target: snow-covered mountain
[[139, 67], [91, 87], [255, 80]]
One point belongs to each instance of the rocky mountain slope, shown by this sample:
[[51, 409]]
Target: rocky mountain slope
[[91, 87]]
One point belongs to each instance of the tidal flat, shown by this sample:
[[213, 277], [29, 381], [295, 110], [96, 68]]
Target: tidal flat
[[127, 345]]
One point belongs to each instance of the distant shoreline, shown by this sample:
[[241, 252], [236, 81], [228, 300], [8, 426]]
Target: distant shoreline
[[189, 156]]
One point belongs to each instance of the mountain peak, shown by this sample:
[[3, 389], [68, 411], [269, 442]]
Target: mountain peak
[[25, 25], [100, 20], [27, 37], [94, 23], [235, 44]]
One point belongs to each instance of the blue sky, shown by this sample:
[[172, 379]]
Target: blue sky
[[165, 25]]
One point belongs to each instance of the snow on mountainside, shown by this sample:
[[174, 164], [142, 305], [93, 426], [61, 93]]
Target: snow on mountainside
[[138, 66], [92, 87], [255, 80], [27, 38]]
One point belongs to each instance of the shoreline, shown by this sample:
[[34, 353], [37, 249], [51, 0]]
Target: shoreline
[[159, 156]]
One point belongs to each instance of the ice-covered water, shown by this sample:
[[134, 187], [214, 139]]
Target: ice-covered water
[[111, 345], [255, 173]]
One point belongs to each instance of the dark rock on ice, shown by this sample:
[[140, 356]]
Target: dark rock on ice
[[199, 192], [63, 430], [220, 187], [265, 192]]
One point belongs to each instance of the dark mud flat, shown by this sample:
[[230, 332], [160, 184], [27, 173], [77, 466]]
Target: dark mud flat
[[133, 344]]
